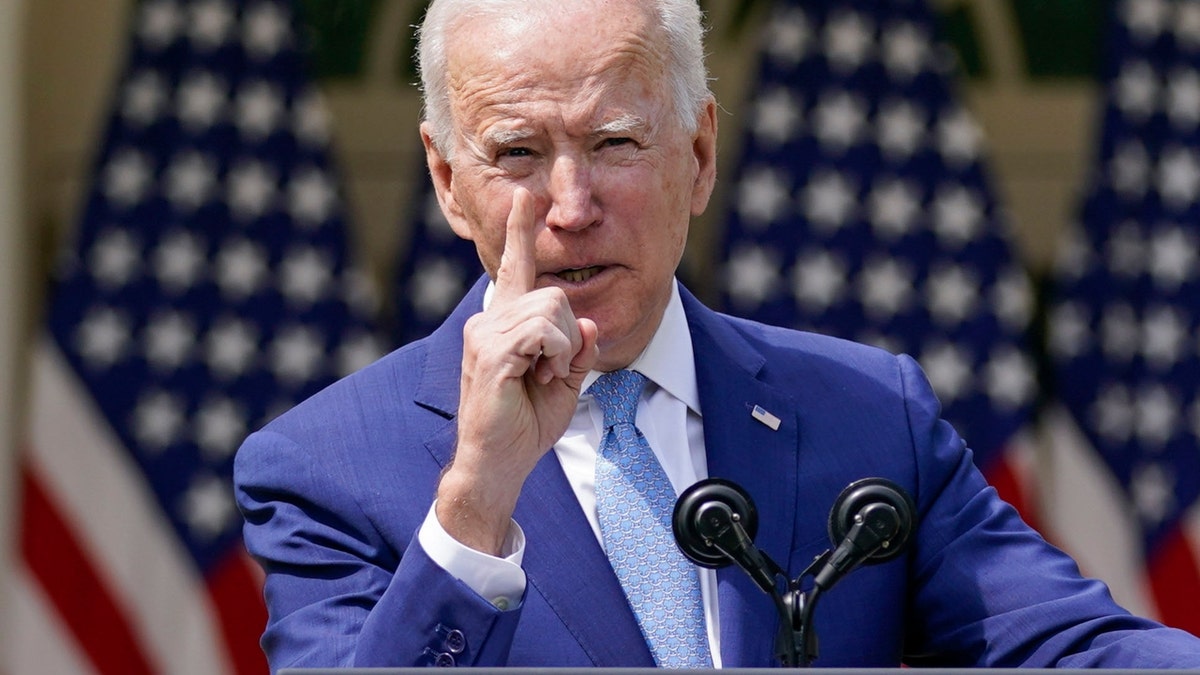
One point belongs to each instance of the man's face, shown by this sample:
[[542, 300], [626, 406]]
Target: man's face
[[576, 110]]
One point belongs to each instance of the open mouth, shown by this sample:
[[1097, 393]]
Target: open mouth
[[579, 275]]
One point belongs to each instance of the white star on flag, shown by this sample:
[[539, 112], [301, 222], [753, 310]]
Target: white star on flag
[[258, 109], [763, 197], [115, 258], [241, 268], [202, 100]]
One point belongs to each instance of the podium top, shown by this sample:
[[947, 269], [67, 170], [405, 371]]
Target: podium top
[[493, 670], [497, 670]]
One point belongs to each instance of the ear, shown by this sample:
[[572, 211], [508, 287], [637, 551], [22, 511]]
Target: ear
[[442, 173], [704, 151]]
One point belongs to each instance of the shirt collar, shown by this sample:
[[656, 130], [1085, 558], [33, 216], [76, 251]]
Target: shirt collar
[[667, 360]]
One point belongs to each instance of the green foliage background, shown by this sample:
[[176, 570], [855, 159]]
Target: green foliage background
[[1059, 38]]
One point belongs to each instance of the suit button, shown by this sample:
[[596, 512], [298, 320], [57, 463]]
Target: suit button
[[444, 660], [456, 642]]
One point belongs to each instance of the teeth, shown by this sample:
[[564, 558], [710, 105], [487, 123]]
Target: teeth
[[577, 276]]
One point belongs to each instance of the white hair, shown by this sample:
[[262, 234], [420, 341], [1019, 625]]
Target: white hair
[[679, 20]]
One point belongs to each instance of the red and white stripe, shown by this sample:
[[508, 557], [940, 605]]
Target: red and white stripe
[[102, 584], [1013, 472], [1086, 512]]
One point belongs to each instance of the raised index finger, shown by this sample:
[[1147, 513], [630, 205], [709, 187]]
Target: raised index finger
[[518, 270]]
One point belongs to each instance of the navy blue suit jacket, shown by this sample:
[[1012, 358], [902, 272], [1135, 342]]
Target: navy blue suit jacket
[[334, 491]]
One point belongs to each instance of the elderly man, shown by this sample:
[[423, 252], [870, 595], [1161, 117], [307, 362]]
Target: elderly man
[[499, 493]]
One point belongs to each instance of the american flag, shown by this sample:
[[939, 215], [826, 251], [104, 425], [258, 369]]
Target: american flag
[[1126, 313], [435, 271], [862, 208], [207, 288]]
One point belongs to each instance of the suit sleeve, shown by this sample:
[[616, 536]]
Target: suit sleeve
[[338, 594], [989, 591]]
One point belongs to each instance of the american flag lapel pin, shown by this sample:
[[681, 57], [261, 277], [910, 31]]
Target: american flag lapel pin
[[765, 417]]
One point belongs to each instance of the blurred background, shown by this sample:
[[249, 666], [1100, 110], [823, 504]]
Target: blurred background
[[209, 209]]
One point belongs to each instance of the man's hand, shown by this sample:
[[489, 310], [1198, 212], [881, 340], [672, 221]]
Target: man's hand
[[524, 360]]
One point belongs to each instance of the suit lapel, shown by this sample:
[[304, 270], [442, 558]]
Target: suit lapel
[[750, 453], [441, 371], [570, 570]]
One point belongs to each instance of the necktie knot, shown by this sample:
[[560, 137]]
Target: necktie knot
[[617, 394]]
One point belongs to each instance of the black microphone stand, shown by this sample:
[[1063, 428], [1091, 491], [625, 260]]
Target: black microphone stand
[[715, 522], [721, 528]]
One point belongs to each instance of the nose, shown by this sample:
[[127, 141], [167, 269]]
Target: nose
[[572, 203]]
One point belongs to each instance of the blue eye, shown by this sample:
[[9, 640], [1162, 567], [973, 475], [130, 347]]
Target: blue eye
[[616, 141], [516, 152]]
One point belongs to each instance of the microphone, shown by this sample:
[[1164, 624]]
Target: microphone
[[714, 523], [870, 522]]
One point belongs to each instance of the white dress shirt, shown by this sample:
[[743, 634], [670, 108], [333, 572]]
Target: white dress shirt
[[668, 416]]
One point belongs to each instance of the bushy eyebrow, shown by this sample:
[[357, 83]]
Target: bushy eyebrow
[[624, 124], [503, 137]]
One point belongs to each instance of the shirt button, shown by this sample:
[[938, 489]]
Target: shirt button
[[500, 603], [456, 642], [444, 660]]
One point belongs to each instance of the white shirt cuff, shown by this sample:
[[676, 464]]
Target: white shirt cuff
[[500, 580]]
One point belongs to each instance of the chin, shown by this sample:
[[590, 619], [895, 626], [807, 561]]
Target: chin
[[616, 353]]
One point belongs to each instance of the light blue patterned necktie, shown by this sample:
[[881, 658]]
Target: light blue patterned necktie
[[634, 501]]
